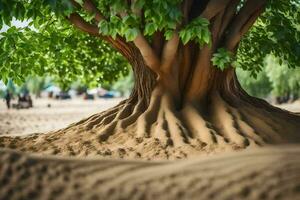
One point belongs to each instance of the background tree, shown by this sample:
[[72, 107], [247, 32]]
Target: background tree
[[260, 86], [124, 85], [285, 81], [37, 84], [182, 52], [275, 80]]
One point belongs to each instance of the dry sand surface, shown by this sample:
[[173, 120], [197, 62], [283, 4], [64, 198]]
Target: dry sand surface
[[256, 173], [266, 173], [41, 119]]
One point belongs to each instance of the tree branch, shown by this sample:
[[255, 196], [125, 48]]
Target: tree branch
[[80, 23], [158, 42], [127, 49], [149, 55], [229, 14], [90, 7], [244, 19], [213, 8], [169, 52], [186, 8], [120, 45], [136, 11], [151, 59], [216, 26], [251, 21]]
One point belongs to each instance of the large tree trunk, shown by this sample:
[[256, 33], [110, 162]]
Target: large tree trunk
[[180, 102]]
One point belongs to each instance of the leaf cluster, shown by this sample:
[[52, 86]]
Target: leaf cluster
[[52, 46], [59, 50], [276, 32], [222, 59]]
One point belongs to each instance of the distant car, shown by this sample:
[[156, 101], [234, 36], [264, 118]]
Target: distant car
[[109, 94], [88, 96], [63, 96]]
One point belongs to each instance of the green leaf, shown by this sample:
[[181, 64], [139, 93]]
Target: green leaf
[[103, 27], [138, 4], [197, 30], [169, 34], [131, 34], [80, 2], [206, 36], [150, 29], [185, 36], [222, 59]]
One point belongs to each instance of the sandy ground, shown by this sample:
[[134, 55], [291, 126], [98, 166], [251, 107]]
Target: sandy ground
[[293, 107], [256, 173], [41, 118], [264, 173]]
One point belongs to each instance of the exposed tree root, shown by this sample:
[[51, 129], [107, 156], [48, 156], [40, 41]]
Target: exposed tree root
[[134, 130]]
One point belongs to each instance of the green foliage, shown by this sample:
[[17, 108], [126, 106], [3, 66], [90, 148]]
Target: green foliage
[[276, 79], [222, 59], [79, 87], [11, 87], [276, 32], [126, 27], [157, 15], [197, 30], [124, 85], [57, 49], [2, 93], [37, 10], [259, 87], [284, 80], [52, 46], [36, 84]]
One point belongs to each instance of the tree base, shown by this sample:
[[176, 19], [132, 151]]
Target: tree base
[[162, 131]]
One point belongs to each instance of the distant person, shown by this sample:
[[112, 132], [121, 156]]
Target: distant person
[[8, 99]]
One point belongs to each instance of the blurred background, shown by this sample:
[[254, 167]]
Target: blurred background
[[45, 103]]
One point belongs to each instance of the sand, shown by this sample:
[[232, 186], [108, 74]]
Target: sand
[[265, 173], [255, 173], [42, 119]]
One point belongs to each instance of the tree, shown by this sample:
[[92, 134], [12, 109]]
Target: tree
[[124, 85], [260, 86], [182, 53], [37, 84], [285, 82], [274, 80]]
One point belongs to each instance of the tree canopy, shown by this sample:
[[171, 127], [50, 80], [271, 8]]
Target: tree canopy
[[57, 49], [52, 45]]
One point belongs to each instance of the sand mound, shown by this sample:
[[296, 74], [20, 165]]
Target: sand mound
[[266, 173]]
